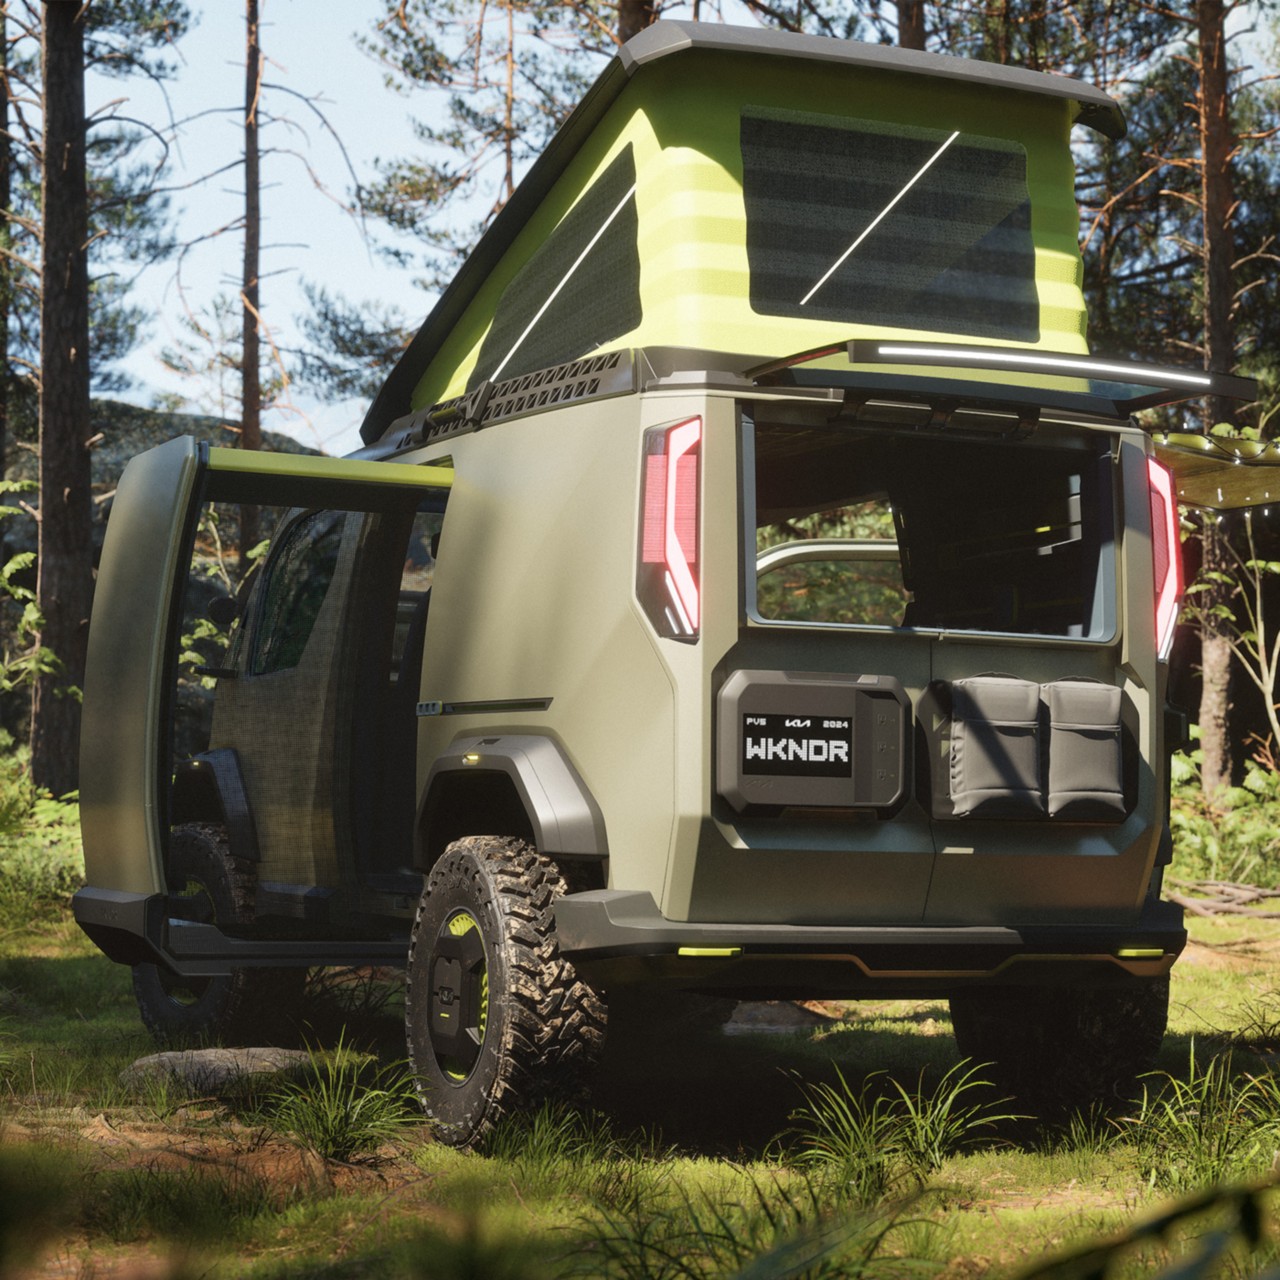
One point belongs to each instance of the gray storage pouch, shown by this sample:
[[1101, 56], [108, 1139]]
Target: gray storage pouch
[[995, 748], [1086, 774]]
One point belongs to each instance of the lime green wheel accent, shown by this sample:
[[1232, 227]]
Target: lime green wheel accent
[[496, 1018]]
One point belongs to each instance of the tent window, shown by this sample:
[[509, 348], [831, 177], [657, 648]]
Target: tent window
[[579, 290], [875, 223]]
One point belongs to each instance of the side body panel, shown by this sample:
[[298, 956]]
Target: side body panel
[[533, 602]]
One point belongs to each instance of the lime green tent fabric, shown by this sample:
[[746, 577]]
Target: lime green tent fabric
[[762, 194]]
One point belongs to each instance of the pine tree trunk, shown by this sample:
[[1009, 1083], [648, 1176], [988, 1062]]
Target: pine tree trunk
[[6, 267], [65, 577], [250, 351], [634, 16], [1216, 145], [911, 24]]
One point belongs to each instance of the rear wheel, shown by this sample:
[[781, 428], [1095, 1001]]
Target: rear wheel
[[244, 1007], [1064, 1048], [496, 1018]]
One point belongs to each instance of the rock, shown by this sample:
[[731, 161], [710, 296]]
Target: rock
[[775, 1017], [213, 1071]]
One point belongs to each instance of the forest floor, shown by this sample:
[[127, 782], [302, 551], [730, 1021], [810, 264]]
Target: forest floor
[[684, 1165]]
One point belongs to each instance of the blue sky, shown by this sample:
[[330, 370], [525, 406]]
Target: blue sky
[[307, 236], [311, 47]]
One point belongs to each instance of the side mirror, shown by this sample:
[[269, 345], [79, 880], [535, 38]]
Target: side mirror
[[223, 610]]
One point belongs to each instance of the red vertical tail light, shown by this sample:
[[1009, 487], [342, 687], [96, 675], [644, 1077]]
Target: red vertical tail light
[[1166, 553], [667, 578]]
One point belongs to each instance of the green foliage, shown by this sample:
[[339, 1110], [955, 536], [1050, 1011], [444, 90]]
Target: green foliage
[[1218, 1224], [1207, 1129], [1235, 837], [345, 1105], [785, 1231], [41, 863], [872, 1142], [557, 1150], [193, 1204], [22, 657]]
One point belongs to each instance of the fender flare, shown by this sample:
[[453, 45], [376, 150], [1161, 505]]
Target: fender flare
[[562, 813]]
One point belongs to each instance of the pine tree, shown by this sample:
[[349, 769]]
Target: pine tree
[[65, 584], [116, 35]]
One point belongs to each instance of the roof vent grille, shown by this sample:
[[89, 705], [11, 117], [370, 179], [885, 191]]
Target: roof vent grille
[[592, 377]]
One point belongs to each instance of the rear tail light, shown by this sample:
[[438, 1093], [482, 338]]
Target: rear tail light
[[667, 577], [1166, 553]]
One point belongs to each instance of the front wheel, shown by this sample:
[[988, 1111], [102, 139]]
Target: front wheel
[[243, 1007], [496, 1018], [1059, 1049]]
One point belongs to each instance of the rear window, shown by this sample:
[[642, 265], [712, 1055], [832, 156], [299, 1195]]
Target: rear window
[[873, 527], [864, 221]]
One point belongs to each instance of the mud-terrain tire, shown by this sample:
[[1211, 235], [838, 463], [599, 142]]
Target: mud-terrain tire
[[1060, 1049], [496, 1019], [248, 1006]]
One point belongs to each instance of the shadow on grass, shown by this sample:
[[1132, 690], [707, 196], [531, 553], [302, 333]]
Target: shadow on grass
[[731, 1096]]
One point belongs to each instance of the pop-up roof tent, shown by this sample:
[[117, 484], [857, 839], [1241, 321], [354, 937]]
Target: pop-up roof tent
[[746, 191], [730, 190]]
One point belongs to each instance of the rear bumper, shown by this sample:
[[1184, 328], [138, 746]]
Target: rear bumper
[[615, 937]]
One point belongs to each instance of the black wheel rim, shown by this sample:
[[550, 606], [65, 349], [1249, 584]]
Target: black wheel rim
[[458, 1016]]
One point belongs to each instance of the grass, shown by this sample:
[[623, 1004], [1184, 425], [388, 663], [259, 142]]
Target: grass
[[879, 1139], [346, 1105], [1209, 1127], [614, 1194], [707, 1163]]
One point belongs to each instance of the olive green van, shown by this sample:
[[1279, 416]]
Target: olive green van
[[750, 586]]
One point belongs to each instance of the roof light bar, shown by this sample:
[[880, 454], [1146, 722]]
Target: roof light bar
[[1047, 362]]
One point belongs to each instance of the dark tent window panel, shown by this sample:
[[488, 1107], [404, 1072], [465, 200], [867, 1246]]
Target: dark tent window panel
[[893, 225], [579, 290]]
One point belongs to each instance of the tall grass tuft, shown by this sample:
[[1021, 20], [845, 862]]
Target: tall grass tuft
[[1213, 1127], [344, 1105], [872, 1141], [192, 1204], [560, 1150], [784, 1232]]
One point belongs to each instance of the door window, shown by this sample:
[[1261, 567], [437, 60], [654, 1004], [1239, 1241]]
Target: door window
[[298, 579]]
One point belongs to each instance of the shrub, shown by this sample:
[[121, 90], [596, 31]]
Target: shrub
[[346, 1105], [874, 1141], [1211, 1128], [1237, 837], [41, 862]]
